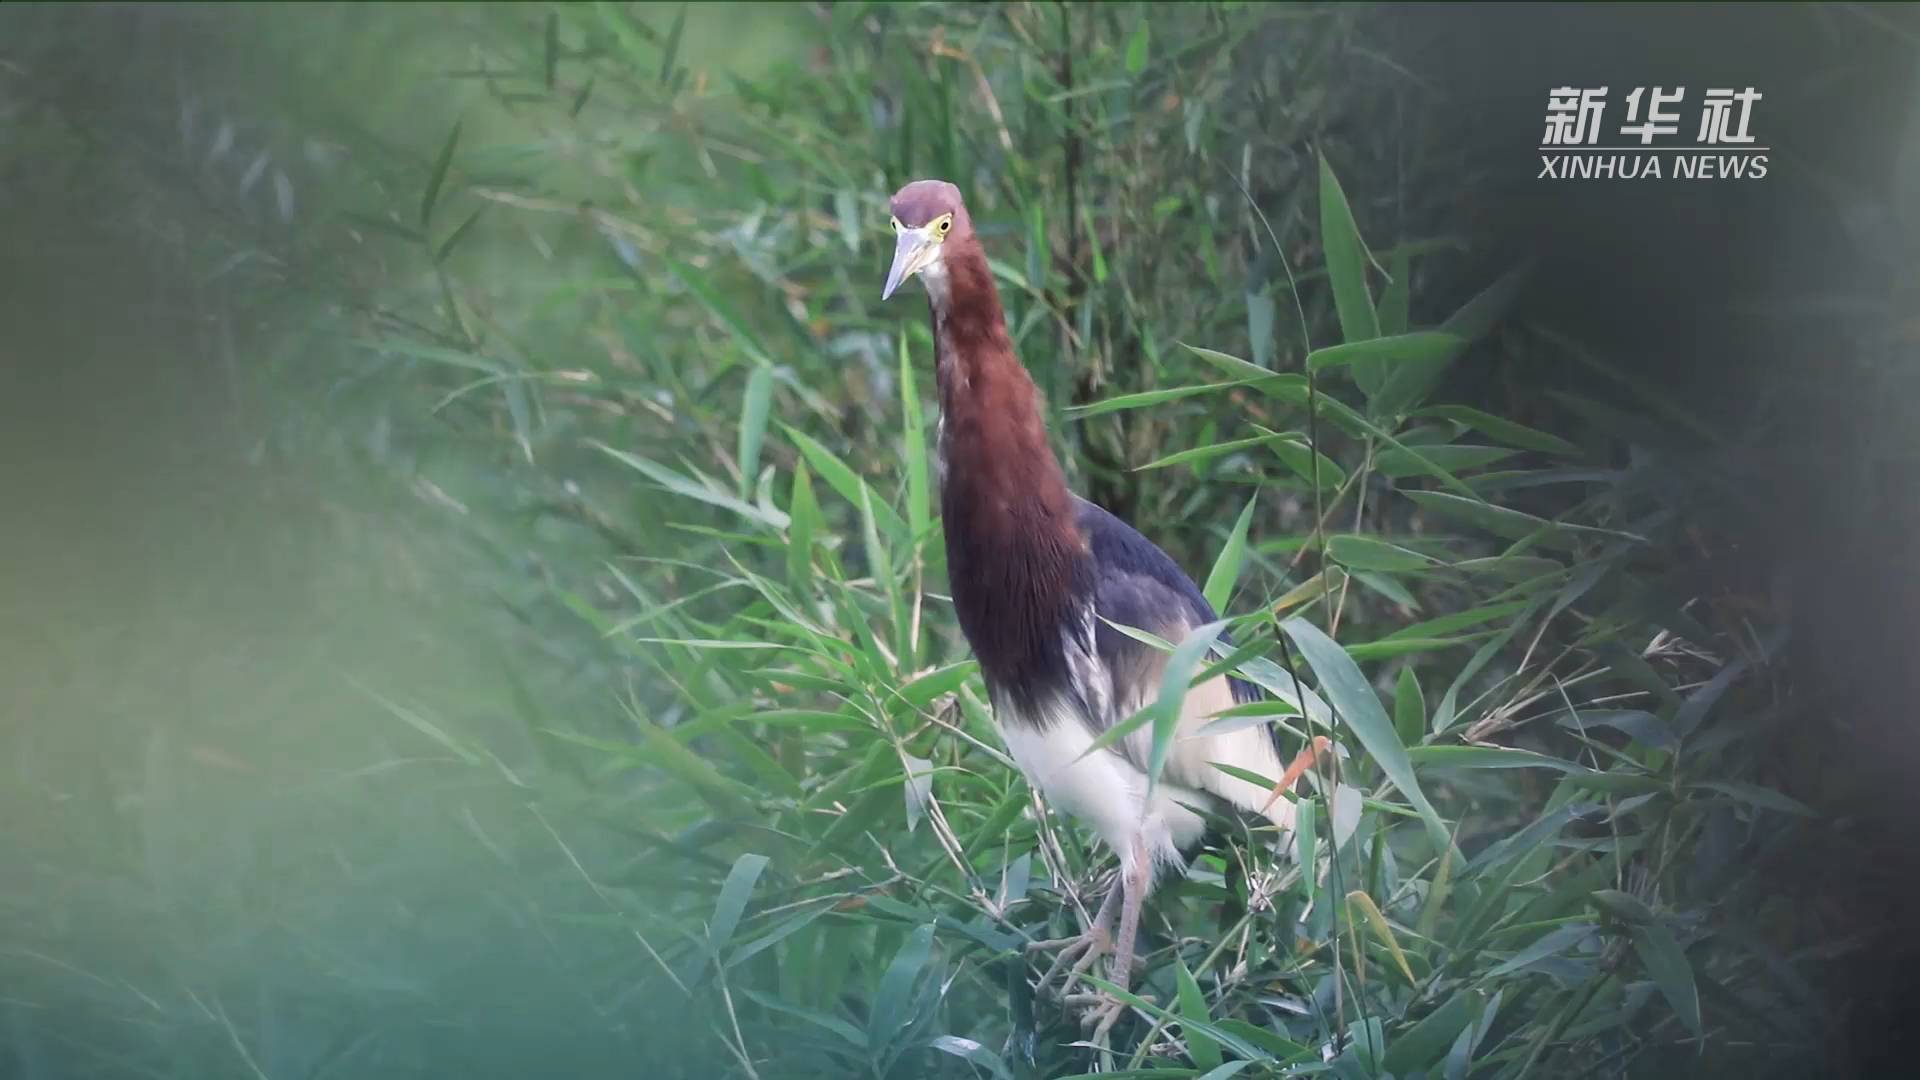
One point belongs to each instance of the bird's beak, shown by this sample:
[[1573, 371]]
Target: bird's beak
[[911, 254]]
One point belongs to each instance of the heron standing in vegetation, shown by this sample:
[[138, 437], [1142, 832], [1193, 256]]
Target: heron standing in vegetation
[[1038, 575]]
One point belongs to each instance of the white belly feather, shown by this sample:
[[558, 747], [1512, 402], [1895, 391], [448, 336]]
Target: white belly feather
[[1107, 789]]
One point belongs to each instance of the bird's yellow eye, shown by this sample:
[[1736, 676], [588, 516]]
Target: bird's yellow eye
[[940, 227], [895, 222]]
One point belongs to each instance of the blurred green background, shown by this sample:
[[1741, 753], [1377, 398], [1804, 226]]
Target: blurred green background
[[471, 606]]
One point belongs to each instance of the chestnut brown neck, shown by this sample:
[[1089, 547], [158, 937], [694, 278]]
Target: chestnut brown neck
[[1013, 547]]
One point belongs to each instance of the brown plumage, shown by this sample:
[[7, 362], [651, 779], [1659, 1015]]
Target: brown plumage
[[1012, 539]]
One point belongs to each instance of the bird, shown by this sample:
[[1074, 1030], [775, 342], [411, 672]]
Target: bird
[[1038, 575]]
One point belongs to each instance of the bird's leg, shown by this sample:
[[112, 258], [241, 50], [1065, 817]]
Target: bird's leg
[[1135, 875], [1135, 879], [1082, 950]]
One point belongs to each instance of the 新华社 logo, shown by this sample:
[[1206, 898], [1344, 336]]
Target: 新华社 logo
[[1650, 141]]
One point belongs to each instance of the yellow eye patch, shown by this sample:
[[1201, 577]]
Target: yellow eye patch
[[939, 226]]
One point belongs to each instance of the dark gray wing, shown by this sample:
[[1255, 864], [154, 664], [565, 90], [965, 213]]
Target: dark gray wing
[[1137, 584]]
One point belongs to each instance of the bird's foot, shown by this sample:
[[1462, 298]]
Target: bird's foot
[[1098, 1012], [1074, 955]]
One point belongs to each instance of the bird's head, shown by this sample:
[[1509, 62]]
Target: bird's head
[[928, 220]]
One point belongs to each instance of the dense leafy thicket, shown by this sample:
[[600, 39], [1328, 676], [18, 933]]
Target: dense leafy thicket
[[598, 316]]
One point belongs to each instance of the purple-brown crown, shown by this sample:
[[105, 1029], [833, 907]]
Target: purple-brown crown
[[923, 200]]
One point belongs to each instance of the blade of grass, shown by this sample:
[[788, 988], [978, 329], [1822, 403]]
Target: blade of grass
[[438, 176]]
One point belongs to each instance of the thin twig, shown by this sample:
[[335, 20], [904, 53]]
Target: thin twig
[[739, 1045]]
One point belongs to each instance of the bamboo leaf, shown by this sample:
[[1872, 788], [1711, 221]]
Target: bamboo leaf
[[1498, 520], [1490, 757], [1755, 795], [1503, 430], [1391, 647], [1477, 316], [1320, 584], [1174, 682], [1624, 906], [1422, 346], [1137, 48], [922, 691], [458, 234], [1281, 1048], [786, 928], [1144, 399], [1398, 464], [1550, 944], [880, 566], [1667, 963], [1343, 812], [1359, 899], [1227, 1040], [681, 485], [734, 893], [1164, 712], [753, 423], [1200, 453], [1642, 727], [1460, 1057], [1424, 1044], [971, 1051], [1357, 552], [672, 50], [1245, 371], [662, 751], [1388, 586], [1260, 315], [826, 1022], [844, 480], [918, 787], [1426, 465], [1348, 691], [891, 1003], [1306, 845], [1409, 709], [803, 515], [1437, 893], [1459, 620], [1193, 1007], [1346, 262], [1301, 458], [1226, 566]]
